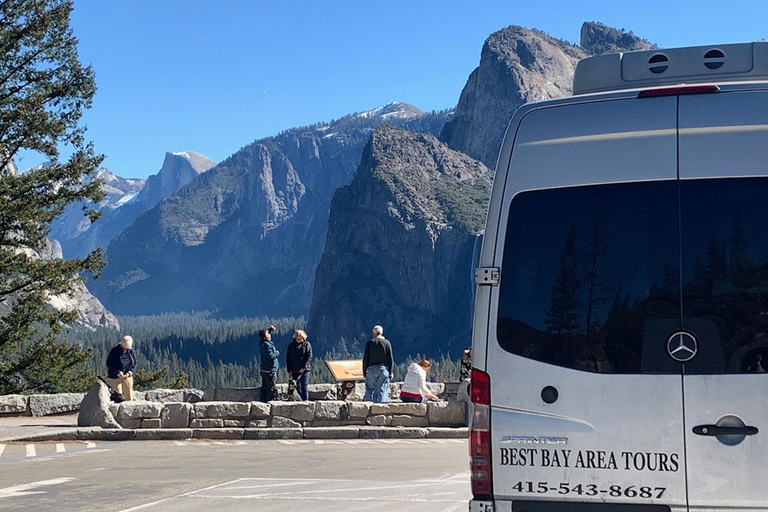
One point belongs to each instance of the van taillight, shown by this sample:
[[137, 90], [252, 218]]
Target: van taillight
[[480, 436], [678, 91]]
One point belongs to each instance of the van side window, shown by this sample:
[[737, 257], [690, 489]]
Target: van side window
[[590, 277], [725, 273]]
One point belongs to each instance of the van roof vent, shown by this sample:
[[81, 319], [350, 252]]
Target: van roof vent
[[698, 64]]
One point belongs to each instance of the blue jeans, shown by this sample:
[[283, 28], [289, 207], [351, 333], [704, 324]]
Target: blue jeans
[[302, 385], [377, 384]]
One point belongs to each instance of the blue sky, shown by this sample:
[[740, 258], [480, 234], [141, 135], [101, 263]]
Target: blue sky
[[212, 76]]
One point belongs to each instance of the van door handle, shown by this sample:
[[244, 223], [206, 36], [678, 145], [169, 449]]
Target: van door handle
[[714, 430]]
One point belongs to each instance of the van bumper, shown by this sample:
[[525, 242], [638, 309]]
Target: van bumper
[[481, 506]]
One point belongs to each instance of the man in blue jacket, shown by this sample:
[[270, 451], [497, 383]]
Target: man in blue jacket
[[269, 364]]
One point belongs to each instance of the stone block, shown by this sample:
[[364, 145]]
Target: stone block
[[176, 415], [113, 408], [359, 421], [258, 423], [228, 410], [138, 410], [328, 410], [165, 395], [209, 395], [399, 408], [322, 392], [447, 414], [379, 420], [404, 420], [451, 388], [151, 423], [194, 395], [272, 433], [358, 410], [437, 388], [332, 433], [43, 405], [297, 411], [260, 410], [217, 433], [138, 395], [129, 423], [95, 408], [282, 422], [89, 434], [234, 423], [392, 433], [206, 423], [447, 433], [13, 404], [163, 434], [324, 423]]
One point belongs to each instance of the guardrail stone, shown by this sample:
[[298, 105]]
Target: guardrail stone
[[227, 410], [298, 411], [136, 410], [328, 410], [163, 434], [258, 423], [332, 433], [176, 415], [322, 392], [151, 423], [283, 422], [13, 404], [218, 433], [272, 433], [447, 414], [358, 410], [260, 410], [399, 420], [43, 405], [206, 423], [400, 408], [392, 433], [379, 420]]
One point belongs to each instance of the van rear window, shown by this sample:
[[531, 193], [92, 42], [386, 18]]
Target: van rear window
[[586, 270], [591, 276]]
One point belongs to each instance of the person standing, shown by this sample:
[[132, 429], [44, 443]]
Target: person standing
[[299, 362], [377, 366], [269, 364], [415, 388], [121, 362]]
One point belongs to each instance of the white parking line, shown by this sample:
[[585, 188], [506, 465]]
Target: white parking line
[[31, 452], [60, 448], [22, 490], [2, 448]]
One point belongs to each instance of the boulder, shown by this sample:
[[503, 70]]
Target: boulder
[[14, 404], [298, 411], [176, 415], [43, 405], [94, 409], [228, 410], [400, 408], [322, 392], [282, 422], [134, 410], [328, 410], [447, 414]]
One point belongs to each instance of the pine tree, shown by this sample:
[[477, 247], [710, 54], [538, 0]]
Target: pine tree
[[43, 92]]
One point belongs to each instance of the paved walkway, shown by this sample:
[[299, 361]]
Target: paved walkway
[[14, 428]]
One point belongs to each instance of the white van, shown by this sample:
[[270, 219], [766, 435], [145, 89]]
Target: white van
[[621, 321]]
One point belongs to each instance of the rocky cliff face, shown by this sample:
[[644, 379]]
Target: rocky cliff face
[[517, 66], [597, 39], [245, 238], [125, 200], [399, 246]]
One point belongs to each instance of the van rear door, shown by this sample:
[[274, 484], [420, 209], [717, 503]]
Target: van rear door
[[588, 294], [724, 228]]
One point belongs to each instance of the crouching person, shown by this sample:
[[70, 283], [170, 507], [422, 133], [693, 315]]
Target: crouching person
[[415, 384], [121, 362]]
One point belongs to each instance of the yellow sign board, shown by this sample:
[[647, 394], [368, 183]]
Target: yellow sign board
[[346, 370]]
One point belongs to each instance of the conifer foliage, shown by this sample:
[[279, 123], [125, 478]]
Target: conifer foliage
[[43, 91]]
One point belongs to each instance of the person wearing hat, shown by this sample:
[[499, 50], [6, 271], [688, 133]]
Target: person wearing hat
[[299, 362]]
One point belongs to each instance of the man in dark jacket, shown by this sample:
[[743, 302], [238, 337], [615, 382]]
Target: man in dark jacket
[[268, 365], [299, 362], [121, 362], [378, 363]]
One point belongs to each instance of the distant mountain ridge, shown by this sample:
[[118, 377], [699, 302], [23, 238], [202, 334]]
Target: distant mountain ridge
[[125, 200], [251, 230]]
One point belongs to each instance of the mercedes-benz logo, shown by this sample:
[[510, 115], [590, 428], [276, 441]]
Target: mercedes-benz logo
[[682, 346]]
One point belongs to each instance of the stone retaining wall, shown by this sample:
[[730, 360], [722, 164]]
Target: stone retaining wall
[[287, 415]]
